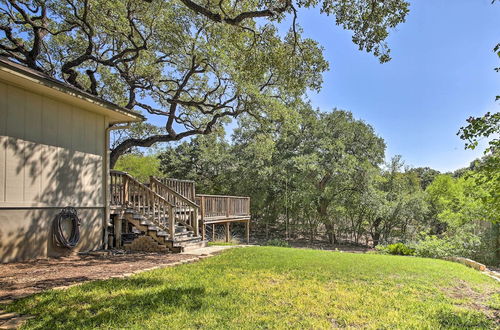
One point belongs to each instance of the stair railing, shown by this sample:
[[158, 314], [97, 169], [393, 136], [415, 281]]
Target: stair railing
[[186, 210], [127, 192], [186, 188]]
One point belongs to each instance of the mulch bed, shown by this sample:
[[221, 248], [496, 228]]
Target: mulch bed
[[20, 279]]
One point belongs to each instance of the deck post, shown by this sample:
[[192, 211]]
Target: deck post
[[125, 190], [171, 222], [247, 231], [196, 224], [227, 231], [202, 208], [213, 232], [203, 231], [117, 222]]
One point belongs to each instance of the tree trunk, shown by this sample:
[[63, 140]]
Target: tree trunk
[[330, 233], [375, 238], [375, 232]]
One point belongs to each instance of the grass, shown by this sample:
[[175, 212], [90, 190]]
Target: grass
[[270, 287], [223, 243]]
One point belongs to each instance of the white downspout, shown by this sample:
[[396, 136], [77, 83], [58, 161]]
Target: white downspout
[[107, 179]]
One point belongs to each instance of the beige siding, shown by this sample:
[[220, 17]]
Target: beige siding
[[3, 138], [26, 233], [51, 153]]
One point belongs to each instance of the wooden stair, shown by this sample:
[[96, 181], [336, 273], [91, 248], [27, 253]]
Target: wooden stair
[[184, 238], [152, 214]]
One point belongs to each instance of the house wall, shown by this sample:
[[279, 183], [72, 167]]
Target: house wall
[[51, 156]]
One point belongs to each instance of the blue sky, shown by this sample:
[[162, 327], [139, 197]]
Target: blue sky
[[440, 74]]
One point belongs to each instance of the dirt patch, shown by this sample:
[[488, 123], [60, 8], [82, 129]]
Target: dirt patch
[[19, 279], [474, 299]]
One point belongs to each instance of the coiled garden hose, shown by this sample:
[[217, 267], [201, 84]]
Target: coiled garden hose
[[68, 213]]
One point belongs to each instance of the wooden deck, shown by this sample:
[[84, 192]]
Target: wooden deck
[[220, 209], [163, 199]]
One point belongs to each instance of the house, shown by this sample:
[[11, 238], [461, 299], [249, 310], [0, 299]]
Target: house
[[54, 142], [53, 154]]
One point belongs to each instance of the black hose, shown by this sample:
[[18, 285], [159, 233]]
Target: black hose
[[68, 213]]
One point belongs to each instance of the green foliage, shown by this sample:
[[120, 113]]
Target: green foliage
[[435, 247], [425, 174], [139, 166], [191, 66], [274, 288], [479, 127], [277, 242], [461, 243], [488, 169], [461, 219], [318, 175], [206, 159], [396, 249]]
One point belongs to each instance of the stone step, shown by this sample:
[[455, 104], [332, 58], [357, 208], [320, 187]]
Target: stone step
[[184, 237], [146, 244]]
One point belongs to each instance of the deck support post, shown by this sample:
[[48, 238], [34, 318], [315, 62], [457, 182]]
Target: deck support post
[[171, 223], [203, 231], [196, 225], [117, 222], [213, 232], [227, 231], [247, 231], [125, 197]]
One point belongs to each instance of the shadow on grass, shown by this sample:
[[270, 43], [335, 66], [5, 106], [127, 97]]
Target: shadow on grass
[[114, 303]]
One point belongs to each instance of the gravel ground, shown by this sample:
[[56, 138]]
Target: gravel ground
[[19, 279]]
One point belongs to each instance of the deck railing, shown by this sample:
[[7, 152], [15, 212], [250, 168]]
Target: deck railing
[[163, 200], [219, 207], [185, 188], [186, 210], [127, 192]]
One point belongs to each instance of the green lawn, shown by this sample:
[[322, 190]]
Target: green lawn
[[269, 287], [220, 243]]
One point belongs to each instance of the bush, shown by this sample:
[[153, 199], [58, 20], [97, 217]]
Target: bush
[[434, 247], [461, 244], [277, 242], [396, 249]]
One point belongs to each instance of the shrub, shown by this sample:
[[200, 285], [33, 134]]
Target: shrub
[[277, 242], [396, 249], [461, 244], [434, 247]]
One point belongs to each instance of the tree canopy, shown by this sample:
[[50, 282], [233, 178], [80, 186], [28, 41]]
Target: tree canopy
[[322, 177], [190, 64]]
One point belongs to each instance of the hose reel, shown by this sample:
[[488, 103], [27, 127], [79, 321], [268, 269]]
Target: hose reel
[[68, 213]]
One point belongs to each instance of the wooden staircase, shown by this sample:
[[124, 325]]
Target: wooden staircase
[[155, 210]]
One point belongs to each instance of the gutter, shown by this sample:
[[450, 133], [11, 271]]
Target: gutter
[[107, 179]]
